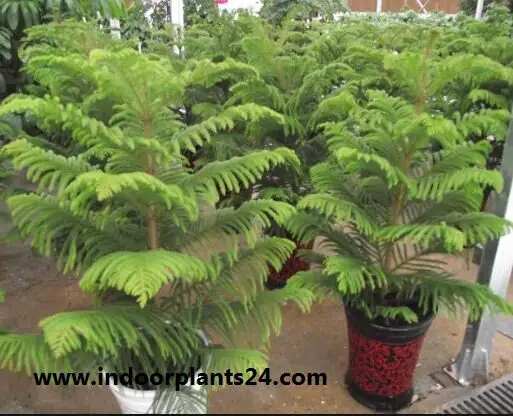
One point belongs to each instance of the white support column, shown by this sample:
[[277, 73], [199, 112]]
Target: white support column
[[177, 18], [115, 28], [494, 272], [379, 6], [479, 9]]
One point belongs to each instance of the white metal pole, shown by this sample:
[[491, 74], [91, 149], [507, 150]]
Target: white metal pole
[[115, 28], [494, 272], [379, 6], [177, 18], [479, 9]]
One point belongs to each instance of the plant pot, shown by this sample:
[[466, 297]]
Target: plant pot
[[293, 265], [382, 360], [132, 401]]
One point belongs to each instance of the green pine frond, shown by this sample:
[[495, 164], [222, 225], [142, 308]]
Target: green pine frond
[[258, 91], [198, 134], [479, 70], [317, 82], [353, 276], [320, 284], [86, 236], [333, 108], [64, 76], [44, 166], [236, 359], [261, 316], [305, 226], [142, 274], [29, 353], [140, 185], [490, 98], [390, 312], [424, 234], [246, 221], [479, 227], [440, 293], [342, 209], [436, 183], [392, 174], [103, 331], [49, 110], [207, 73], [483, 123], [228, 176], [247, 276], [277, 194], [442, 130]]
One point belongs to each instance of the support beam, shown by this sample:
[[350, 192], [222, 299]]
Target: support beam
[[177, 19], [115, 28], [479, 9], [495, 272], [379, 6]]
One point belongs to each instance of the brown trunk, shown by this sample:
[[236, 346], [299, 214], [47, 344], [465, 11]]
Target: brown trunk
[[153, 243]]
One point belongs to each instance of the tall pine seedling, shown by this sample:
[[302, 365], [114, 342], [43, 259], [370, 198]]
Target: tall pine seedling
[[130, 219], [402, 188]]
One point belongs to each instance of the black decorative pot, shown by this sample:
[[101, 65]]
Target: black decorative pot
[[382, 360]]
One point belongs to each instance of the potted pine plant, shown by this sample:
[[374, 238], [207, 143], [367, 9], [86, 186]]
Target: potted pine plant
[[166, 273], [390, 208], [292, 84]]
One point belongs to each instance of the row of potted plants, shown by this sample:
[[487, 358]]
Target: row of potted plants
[[360, 148]]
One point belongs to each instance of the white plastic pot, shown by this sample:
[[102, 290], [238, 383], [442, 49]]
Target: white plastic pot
[[180, 402]]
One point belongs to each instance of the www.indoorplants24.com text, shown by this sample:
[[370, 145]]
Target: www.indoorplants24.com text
[[179, 379]]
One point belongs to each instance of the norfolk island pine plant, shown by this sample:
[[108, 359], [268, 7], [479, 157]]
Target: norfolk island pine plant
[[132, 229], [387, 205], [291, 83]]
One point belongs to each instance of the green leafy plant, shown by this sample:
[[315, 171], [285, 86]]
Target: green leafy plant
[[278, 11], [18, 15], [200, 10], [469, 6], [292, 84], [402, 188], [138, 230]]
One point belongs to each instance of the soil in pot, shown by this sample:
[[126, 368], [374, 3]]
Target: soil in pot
[[383, 355], [293, 265]]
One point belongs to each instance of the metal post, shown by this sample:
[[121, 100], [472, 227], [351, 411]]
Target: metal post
[[115, 28], [177, 19], [379, 6], [479, 9], [494, 272]]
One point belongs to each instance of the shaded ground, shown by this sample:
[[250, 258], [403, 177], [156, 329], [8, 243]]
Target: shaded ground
[[308, 343]]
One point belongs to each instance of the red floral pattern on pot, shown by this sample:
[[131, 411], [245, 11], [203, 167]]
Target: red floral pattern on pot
[[293, 265], [380, 368]]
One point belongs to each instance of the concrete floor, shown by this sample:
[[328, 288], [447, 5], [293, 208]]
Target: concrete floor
[[316, 342]]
